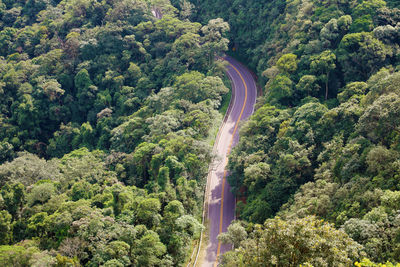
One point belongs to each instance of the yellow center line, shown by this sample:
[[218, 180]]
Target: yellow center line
[[228, 152]]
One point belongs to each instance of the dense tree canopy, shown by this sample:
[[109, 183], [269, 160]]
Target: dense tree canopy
[[105, 118], [305, 242], [107, 112], [325, 138]]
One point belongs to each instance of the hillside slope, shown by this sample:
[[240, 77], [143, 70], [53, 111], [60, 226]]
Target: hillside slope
[[106, 117], [324, 141]]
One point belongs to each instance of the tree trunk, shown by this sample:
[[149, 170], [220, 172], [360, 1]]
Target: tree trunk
[[326, 86]]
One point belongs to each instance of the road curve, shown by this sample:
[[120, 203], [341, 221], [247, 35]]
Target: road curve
[[221, 213], [221, 202]]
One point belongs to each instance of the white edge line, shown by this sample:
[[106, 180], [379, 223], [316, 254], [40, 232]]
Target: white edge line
[[206, 195]]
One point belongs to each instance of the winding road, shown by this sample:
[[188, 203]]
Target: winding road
[[220, 200]]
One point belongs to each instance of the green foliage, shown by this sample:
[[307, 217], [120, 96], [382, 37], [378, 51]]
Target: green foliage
[[279, 90], [287, 63], [368, 7], [125, 102], [40, 193], [13, 197], [322, 65], [195, 87], [368, 263], [360, 55], [380, 119], [6, 227], [354, 89], [28, 169], [148, 250], [308, 85], [362, 24], [16, 255], [329, 145], [307, 241], [148, 210], [81, 190], [105, 117], [235, 235]]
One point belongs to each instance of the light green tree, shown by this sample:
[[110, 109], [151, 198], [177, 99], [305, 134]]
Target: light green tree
[[307, 241], [287, 63], [235, 235], [322, 65]]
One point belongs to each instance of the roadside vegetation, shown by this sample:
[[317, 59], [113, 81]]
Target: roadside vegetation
[[107, 119], [324, 142], [104, 131]]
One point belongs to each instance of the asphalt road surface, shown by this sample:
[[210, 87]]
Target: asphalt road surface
[[221, 202]]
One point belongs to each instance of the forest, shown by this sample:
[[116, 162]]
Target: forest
[[317, 165], [107, 120], [108, 116]]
